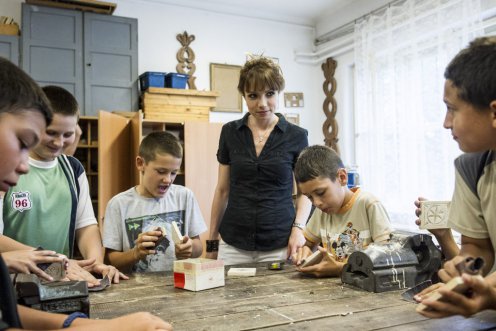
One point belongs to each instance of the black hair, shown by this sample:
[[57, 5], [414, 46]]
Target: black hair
[[61, 100], [473, 72]]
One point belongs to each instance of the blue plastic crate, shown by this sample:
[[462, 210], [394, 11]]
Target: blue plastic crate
[[152, 79], [175, 80]]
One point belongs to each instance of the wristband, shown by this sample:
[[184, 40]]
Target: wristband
[[301, 226], [212, 246], [68, 321]]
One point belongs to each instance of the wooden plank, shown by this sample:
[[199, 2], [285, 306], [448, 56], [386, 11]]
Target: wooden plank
[[100, 7], [176, 118], [184, 100], [161, 90], [178, 110]]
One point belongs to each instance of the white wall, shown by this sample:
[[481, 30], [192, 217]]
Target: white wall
[[221, 39]]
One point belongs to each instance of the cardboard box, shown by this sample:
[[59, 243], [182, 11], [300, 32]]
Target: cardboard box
[[9, 29], [198, 274]]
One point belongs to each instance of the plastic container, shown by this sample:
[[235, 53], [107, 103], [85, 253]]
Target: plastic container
[[152, 79], [353, 176], [175, 80]]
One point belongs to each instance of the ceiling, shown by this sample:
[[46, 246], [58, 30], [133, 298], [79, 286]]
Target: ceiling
[[300, 12]]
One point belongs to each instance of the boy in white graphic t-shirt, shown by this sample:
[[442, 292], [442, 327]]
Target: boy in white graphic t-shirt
[[135, 219]]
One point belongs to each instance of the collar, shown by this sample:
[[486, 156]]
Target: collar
[[282, 124], [347, 206], [43, 164]]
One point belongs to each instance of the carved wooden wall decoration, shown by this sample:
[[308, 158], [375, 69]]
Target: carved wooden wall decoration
[[330, 127], [185, 56]]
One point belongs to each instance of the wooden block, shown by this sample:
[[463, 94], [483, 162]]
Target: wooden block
[[455, 284], [198, 274], [312, 259], [9, 29], [173, 118], [177, 237], [242, 272], [434, 214], [95, 6]]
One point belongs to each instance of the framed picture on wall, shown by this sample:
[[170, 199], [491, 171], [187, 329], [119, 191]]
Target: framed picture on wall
[[224, 79], [292, 118]]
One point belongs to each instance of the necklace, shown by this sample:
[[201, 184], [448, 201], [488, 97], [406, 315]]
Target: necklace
[[263, 134]]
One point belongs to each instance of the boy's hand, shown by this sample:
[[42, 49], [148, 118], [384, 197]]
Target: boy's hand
[[145, 244], [107, 270], [483, 297], [438, 233], [26, 261], [136, 322], [301, 254], [327, 267], [449, 269], [77, 271], [184, 249]]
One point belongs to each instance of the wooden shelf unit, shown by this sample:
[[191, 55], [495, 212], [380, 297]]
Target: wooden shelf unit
[[87, 154]]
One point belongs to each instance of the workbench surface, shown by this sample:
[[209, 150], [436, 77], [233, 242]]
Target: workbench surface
[[272, 300]]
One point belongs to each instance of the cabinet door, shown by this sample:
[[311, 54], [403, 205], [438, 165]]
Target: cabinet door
[[9, 48], [201, 141], [52, 47], [110, 63], [115, 160]]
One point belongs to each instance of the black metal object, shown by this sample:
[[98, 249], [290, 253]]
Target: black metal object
[[407, 260], [57, 297]]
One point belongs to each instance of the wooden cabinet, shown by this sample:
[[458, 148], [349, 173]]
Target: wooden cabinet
[[87, 154], [120, 137], [93, 56]]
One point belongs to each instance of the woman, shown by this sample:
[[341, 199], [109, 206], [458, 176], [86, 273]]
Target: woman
[[252, 209]]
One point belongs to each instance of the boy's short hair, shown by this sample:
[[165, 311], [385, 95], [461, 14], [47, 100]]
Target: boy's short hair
[[160, 142], [317, 161], [61, 100], [473, 72], [18, 92], [259, 73]]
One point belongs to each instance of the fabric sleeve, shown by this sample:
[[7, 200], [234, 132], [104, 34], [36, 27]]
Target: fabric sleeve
[[465, 214], [194, 218], [112, 226], [302, 144], [223, 151], [312, 230], [379, 223], [85, 215]]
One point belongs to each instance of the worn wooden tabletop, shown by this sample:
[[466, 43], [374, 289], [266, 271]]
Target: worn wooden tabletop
[[273, 300]]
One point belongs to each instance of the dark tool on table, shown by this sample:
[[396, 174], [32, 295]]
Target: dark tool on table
[[407, 260], [57, 297]]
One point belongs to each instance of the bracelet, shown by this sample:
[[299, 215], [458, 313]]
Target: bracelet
[[68, 321], [212, 246], [301, 226]]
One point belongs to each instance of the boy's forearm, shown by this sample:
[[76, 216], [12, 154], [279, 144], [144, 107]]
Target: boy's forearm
[[448, 245], [8, 244], [121, 260], [90, 243], [197, 247]]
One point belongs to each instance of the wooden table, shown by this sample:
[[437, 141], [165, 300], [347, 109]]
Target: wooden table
[[275, 300]]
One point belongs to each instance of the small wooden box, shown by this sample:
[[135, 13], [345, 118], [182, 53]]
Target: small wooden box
[[178, 105], [9, 29], [198, 274]]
